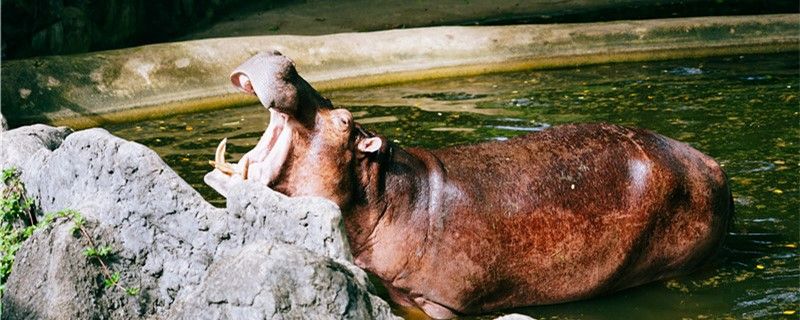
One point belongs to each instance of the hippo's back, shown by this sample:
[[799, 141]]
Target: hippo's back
[[576, 211]]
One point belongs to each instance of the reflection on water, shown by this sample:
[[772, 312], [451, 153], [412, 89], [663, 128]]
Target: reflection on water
[[741, 110]]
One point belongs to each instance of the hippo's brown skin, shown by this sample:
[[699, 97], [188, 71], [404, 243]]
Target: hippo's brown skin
[[568, 213], [565, 214]]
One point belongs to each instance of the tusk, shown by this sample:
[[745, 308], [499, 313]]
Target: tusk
[[219, 159], [219, 156], [246, 168], [226, 168]]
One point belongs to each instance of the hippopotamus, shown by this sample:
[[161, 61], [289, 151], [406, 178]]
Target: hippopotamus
[[568, 213]]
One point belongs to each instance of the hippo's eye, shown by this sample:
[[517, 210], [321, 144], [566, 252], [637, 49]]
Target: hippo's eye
[[343, 121]]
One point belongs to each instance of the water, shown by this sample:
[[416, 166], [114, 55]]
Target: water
[[741, 110]]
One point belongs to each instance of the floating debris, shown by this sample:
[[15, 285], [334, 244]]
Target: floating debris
[[535, 128], [756, 78], [686, 71], [750, 166], [526, 102], [445, 129], [521, 102]]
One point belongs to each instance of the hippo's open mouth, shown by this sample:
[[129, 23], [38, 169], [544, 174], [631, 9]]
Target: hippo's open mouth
[[264, 161]]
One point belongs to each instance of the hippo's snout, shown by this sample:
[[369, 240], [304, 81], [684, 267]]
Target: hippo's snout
[[272, 78], [292, 103]]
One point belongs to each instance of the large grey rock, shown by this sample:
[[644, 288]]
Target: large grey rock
[[3, 123], [312, 223], [278, 281], [20, 144], [173, 245]]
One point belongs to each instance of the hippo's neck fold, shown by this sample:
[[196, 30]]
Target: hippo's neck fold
[[404, 196]]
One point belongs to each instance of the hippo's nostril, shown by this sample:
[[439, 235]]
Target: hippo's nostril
[[245, 83]]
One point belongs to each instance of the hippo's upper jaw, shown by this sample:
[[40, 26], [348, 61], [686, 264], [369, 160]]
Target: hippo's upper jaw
[[272, 78]]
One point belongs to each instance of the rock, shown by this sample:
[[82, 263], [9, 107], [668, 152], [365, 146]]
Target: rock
[[271, 285], [52, 279], [20, 144], [170, 243], [312, 223], [3, 123], [133, 203]]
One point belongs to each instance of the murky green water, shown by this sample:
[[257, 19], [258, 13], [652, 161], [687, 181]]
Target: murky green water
[[741, 110]]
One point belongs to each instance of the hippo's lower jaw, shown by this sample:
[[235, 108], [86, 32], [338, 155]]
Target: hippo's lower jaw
[[263, 163]]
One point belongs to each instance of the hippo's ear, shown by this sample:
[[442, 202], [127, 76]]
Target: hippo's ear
[[370, 145]]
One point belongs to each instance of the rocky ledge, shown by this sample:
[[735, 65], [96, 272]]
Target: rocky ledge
[[264, 256]]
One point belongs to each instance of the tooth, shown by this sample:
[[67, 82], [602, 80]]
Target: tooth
[[246, 168], [219, 159], [277, 156], [219, 156]]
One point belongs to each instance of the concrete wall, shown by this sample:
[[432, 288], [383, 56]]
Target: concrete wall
[[157, 80]]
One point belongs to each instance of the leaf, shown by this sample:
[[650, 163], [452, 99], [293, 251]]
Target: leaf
[[77, 223], [8, 173], [90, 252], [27, 204], [110, 282], [104, 251], [132, 291]]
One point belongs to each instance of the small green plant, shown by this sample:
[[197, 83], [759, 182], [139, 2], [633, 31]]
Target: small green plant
[[133, 291], [17, 221], [98, 253]]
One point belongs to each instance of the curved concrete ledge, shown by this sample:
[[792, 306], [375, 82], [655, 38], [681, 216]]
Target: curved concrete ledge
[[158, 80]]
